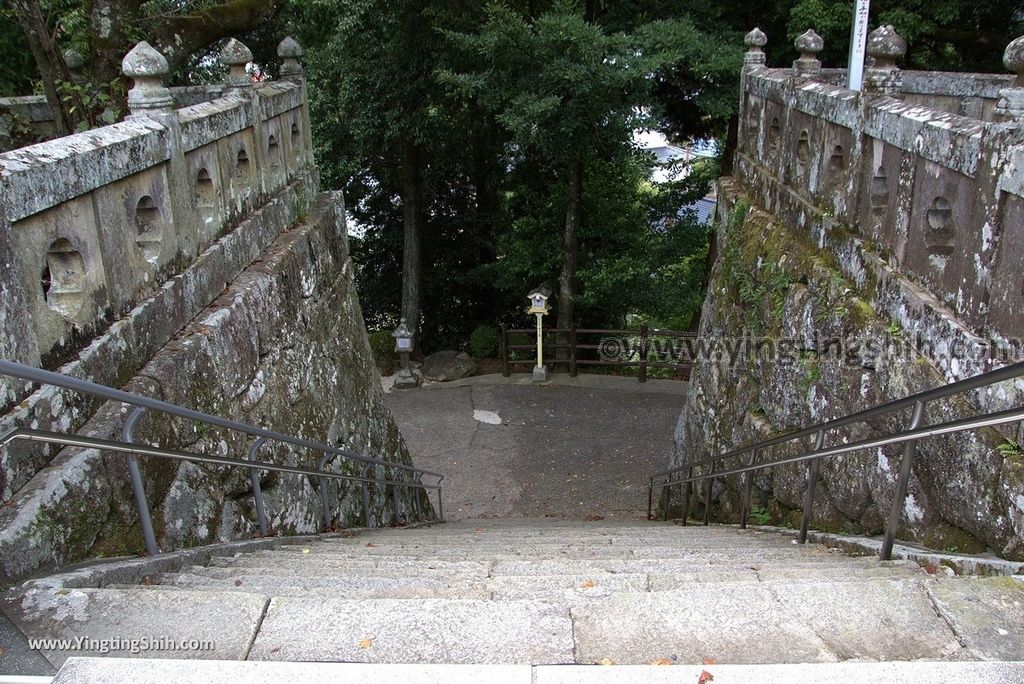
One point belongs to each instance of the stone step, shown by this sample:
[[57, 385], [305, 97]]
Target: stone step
[[162, 671], [358, 587], [414, 631], [639, 531], [306, 566], [351, 566], [347, 569], [461, 546], [986, 612], [598, 552], [778, 622], [680, 534], [223, 624], [508, 586]]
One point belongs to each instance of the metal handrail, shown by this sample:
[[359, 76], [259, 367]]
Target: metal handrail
[[45, 377], [908, 437], [131, 449]]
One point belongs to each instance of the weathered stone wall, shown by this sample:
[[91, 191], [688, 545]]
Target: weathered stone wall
[[283, 346], [207, 272], [772, 283], [893, 227], [30, 116], [938, 194]]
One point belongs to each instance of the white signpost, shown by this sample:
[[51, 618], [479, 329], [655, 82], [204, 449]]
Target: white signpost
[[858, 42]]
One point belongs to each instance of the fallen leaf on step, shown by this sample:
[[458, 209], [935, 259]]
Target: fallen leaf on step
[[238, 583], [305, 550], [710, 661], [589, 584], [705, 677], [2, 650], [366, 643], [479, 529], [660, 661], [592, 517], [371, 545], [605, 661], [275, 649]]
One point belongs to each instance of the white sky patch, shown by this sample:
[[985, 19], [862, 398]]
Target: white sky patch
[[489, 417]]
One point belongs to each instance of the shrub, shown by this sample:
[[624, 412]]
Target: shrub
[[382, 344], [483, 341]]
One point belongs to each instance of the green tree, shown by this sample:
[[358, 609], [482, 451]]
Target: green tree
[[103, 31], [567, 91]]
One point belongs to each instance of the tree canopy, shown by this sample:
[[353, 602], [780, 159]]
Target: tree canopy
[[485, 148]]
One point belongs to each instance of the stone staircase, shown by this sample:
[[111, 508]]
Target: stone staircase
[[539, 592]]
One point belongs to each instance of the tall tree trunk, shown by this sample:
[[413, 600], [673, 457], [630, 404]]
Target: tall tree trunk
[[110, 41], [570, 248], [412, 232], [48, 60], [482, 178]]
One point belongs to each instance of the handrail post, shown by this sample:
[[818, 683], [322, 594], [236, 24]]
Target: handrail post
[[666, 496], [642, 375], [138, 488], [686, 494], [257, 490], [812, 481], [505, 371], [572, 352], [650, 498], [906, 465], [325, 507], [748, 486], [365, 492], [394, 497], [414, 491], [440, 503], [707, 497]]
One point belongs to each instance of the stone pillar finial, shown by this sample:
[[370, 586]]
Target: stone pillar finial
[[1011, 100], [75, 64], [147, 68], [808, 44], [885, 47], [754, 57], [237, 57], [290, 53]]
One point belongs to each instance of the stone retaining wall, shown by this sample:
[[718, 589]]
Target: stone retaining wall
[[182, 254], [888, 220]]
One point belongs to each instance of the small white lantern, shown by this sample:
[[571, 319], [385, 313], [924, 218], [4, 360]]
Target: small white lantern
[[539, 301], [403, 338], [406, 378], [539, 307]]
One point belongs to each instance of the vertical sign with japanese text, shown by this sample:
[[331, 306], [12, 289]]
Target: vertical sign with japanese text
[[858, 41]]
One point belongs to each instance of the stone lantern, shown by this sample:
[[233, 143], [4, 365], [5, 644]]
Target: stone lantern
[[406, 378], [539, 307]]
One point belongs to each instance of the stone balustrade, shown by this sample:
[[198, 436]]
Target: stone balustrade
[[95, 223], [924, 170]]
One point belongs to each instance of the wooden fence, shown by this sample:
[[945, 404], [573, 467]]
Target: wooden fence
[[632, 347]]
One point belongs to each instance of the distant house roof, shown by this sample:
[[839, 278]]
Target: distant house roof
[[705, 208], [665, 153]]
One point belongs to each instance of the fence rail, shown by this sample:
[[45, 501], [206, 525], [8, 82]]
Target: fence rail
[[402, 476], [636, 354], [686, 476]]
